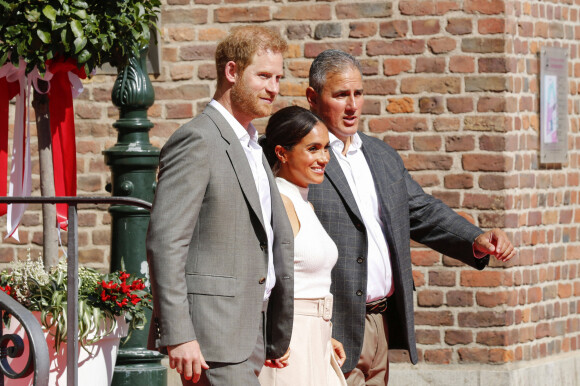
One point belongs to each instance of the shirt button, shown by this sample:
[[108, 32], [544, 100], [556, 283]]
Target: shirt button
[[359, 293], [360, 260], [263, 246], [262, 280], [359, 226]]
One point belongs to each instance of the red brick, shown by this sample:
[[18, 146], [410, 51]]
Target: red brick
[[369, 67], [459, 298], [453, 337], [491, 299], [181, 71], [426, 180], [429, 298], [311, 50], [397, 124], [380, 86], [458, 181], [427, 336], [473, 355], [197, 52], [398, 142], [491, 26], [425, 257], [500, 355], [440, 356], [484, 162], [483, 45], [486, 7], [485, 123], [459, 143], [207, 71], [435, 65], [363, 10], [492, 143], [497, 65], [179, 111], [303, 12], [418, 279], [433, 318], [461, 26], [481, 319], [400, 105], [493, 338], [396, 47], [481, 278], [427, 143], [396, 66], [440, 85], [451, 199], [362, 29], [441, 45], [425, 27], [427, 162], [462, 64], [442, 278], [181, 34], [417, 7], [184, 16], [459, 105], [431, 105], [491, 104], [393, 29]]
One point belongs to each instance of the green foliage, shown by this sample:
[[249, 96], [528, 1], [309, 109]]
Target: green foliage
[[100, 298], [93, 32]]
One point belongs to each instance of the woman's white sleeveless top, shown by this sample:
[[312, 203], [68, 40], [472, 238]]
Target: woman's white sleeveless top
[[314, 251]]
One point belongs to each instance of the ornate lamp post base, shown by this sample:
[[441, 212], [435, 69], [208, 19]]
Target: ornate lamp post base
[[133, 162]]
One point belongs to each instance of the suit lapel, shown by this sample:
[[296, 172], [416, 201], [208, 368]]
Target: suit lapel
[[238, 160], [336, 176]]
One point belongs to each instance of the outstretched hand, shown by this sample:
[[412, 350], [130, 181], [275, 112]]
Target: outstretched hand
[[495, 242], [187, 359]]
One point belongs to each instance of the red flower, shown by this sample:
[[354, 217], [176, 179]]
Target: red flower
[[104, 296], [123, 303]]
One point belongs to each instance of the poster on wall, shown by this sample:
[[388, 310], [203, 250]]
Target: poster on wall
[[553, 105]]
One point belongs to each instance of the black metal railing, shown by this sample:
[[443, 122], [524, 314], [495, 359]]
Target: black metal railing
[[38, 349]]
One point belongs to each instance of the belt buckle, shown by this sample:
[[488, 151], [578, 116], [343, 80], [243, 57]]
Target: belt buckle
[[327, 310]]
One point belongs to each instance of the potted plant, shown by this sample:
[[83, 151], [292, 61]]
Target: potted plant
[[110, 306], [48, 43]]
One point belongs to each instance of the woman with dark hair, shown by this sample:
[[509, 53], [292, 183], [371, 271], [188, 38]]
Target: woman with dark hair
[[297, 148]]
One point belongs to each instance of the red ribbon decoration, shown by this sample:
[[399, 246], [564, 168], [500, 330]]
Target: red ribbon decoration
[[62, 127], [8, 90]]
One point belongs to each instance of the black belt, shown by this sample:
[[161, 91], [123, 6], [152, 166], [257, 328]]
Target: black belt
[[377, 307]]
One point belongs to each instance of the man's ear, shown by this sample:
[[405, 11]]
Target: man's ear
[[281, 153], [312, 97], [231, 71]]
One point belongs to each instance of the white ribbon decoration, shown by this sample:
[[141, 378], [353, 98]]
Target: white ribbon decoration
[[20, 171]]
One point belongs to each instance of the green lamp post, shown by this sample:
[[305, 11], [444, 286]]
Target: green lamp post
[[133, 161]]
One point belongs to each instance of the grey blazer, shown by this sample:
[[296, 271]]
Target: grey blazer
[[407, 212], [207, 247]]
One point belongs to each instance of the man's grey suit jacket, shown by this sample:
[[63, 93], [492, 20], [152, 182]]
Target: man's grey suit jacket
[[207, 247], [406, 212]]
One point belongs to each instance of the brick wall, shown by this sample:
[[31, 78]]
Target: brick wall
[[454, 87]]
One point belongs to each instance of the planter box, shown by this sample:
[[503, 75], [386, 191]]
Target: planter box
[[95, 366]]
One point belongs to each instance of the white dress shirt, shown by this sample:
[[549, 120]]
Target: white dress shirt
[[249, 141], [361, 182]]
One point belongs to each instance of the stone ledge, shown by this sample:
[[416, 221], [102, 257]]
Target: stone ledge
[[562, 370]]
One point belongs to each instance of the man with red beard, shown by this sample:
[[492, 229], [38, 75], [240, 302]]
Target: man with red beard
[[219, 244]]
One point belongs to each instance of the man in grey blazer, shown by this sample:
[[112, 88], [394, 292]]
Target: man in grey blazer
[[219, 244], [371, 207]]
